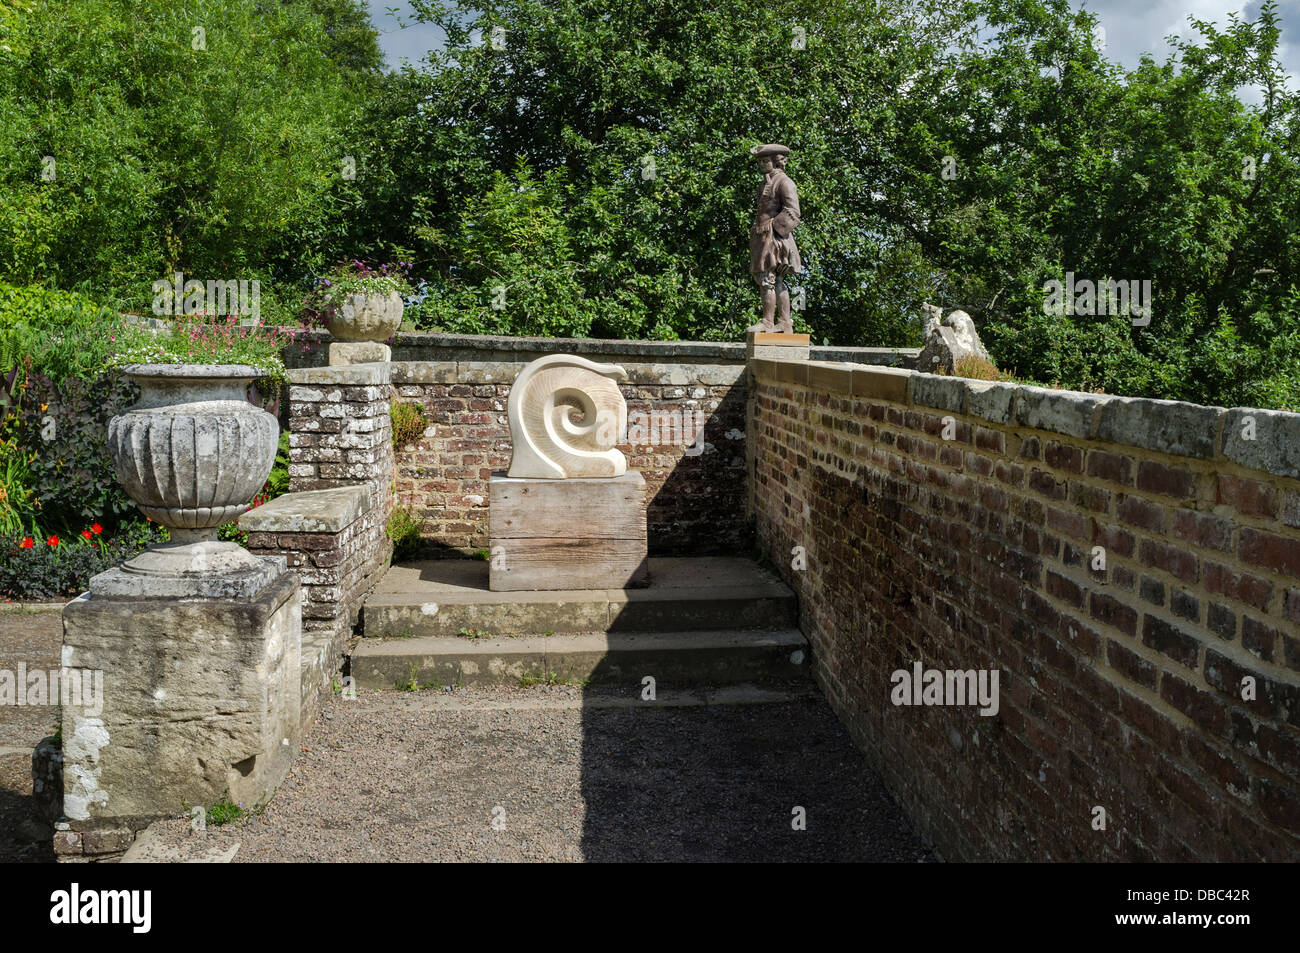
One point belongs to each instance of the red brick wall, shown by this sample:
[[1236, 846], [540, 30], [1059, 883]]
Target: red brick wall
[[1119, 688], [696, 500]]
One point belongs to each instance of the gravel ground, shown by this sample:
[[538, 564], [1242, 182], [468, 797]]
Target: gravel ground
[[35, 638], [548, 773], [571, 775]]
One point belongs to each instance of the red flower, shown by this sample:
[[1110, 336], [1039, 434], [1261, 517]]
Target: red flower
[[85, 534], [96, 529], [28, 543], [53, 541]]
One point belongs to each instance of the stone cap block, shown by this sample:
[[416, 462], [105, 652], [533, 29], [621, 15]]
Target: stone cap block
[[883, 383], [1267, 440], [1166, 426], [309, 511], [938, 391], [347, 375]]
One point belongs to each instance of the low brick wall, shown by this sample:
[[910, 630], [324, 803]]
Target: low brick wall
[[332, 525], [695, 494], [1123, 564], [334, 541]]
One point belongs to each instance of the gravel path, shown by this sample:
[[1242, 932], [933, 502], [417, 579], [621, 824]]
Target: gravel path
[[548, 773], [35, 638], [571, 775]]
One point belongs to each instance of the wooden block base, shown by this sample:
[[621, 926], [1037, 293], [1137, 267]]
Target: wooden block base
[[582, 533]]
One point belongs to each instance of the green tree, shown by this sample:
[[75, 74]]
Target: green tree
[[139, 139], [959, 153]]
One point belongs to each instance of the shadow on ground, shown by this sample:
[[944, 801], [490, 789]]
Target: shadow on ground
[[731, 782]]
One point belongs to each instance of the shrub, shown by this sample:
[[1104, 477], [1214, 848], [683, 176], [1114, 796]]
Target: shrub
[[56, 567], [404, 530], [408, 423]]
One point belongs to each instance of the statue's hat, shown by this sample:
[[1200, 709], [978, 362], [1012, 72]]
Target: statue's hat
[[771, 149]]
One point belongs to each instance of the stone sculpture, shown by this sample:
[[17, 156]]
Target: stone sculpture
[[566, 417], [947, 341], [773, 253]]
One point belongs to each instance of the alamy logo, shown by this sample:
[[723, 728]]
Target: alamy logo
[[175, 295], [1132, 298], [70, 687], [103, 906], [682, 428], [951, 687]]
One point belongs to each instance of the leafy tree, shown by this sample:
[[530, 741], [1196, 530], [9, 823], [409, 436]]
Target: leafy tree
[[181, 135], [960, 153]]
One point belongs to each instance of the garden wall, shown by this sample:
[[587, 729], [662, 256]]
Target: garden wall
[[956, 523], [695, 494]]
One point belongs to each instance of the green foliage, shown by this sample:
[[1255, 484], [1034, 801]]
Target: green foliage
[[198, 339], [404, 530], [409, 422], [62, 429], [61, 333], [210, 153], [522, 179], [224, 813]]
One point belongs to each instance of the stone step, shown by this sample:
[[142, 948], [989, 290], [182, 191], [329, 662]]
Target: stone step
[[446, 597], [673, 659]]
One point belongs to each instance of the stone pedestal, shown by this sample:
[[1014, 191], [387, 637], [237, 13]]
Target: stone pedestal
[[776, 346], [577, 533], [359, 352], [199, 702]]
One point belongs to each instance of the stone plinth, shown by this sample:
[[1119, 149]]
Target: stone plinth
[[199, 705], [777, 346], [580, 533]]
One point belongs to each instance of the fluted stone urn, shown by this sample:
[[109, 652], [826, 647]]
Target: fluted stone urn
[[192, 454], [365, 317]]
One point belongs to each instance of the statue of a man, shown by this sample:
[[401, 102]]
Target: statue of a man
[[772, 251]]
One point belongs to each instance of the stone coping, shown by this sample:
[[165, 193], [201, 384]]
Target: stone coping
[[360, 375], [309, 511], [422, 346], [1170, 427]]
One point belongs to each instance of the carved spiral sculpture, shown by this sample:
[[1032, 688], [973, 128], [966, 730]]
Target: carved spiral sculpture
[[566, 416]]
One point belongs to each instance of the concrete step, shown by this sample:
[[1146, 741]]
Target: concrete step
[[673, 659], [442, 597]]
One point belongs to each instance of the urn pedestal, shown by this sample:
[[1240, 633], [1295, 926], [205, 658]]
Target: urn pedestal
[[196, 642]]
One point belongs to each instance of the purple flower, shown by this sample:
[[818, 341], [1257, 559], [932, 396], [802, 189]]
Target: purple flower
[[326, 282]]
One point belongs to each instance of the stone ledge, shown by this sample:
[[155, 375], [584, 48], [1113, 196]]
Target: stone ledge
[[427, 347], [348, 375], [309, 511], [1172, 428]]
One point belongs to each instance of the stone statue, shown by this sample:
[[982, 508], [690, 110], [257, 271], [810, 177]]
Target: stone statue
[[566, 418], [947, 342], [772, 251]]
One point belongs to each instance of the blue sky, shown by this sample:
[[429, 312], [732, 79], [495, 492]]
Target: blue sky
[[1132, 27]]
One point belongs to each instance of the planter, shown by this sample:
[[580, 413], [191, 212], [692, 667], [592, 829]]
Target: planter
[[192, 454], [365, 317]]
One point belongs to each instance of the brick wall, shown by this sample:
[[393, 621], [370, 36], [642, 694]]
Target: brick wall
[[695, 497], [1120, 687], [331, 526]]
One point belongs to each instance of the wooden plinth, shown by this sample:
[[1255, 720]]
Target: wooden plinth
[[581, 533]]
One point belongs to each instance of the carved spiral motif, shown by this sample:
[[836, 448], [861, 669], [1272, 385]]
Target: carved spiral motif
[[566, 416]]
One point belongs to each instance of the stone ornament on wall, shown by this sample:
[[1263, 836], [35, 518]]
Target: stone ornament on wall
[[947, 341], [566, 416]]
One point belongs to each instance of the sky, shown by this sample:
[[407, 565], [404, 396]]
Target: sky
[[1132, 27]]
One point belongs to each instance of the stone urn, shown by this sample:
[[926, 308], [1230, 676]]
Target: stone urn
[[192, 454], [365, 317]]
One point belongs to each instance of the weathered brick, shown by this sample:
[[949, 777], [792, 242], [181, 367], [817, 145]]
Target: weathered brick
[[1169, 640], [1278, 553], [1155, 477]]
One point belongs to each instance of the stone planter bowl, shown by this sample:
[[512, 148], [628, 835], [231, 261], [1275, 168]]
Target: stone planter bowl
[[365, 317], [193, 452]]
